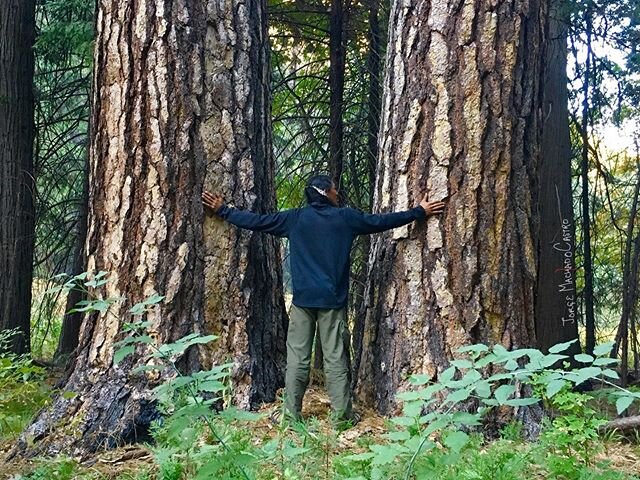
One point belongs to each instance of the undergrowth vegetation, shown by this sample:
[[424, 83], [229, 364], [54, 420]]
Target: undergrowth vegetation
[[553, 429], [23, 389]]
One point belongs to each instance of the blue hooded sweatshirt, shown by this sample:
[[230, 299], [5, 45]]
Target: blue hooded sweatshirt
[[320, 238]]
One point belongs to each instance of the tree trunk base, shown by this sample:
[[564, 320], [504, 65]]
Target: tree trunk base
[[103, 414]]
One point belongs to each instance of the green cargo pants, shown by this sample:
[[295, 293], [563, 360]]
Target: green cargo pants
[[333, 331]]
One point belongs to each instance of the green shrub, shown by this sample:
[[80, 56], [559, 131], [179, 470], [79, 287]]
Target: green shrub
[[22, 390]]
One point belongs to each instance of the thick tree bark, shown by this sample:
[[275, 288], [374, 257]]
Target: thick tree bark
[[556, 300], [460, 121], [244, 298], [145, 215], [175, 84], [17, 34], [374, 69]]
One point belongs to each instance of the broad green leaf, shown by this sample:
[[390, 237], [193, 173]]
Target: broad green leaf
[[521, 402], [411, 395], [398, 436], [464, 418], [462, 364], [599, 362], [153, 299], [415, 443], [603, 349], [503, 392], [582, 374], [435, 426], [419, 379], [123, 352], [486, 360], [212, 386], [500, 350], [477, 348], [429, 417], [137, 309], [447, 375], [403, 421], [456, 440], [551, 359], [554, 387], [500, 376], [291, 451], [623, 403], [234, 413], [360, 457], [412, 409], [384, 454], [584, 358], [511, 365], [470, 377], [483, 389], [458, 395], [562, 347]]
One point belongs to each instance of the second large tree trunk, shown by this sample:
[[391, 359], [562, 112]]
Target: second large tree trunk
[[460, 122], [244, 302], [17, 33]]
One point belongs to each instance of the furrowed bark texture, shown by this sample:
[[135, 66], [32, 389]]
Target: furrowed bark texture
[[17, 227], [145, 215], [244, 303], [556, 300], [460, 121]]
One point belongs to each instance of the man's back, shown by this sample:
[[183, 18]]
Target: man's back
[[320, 239]]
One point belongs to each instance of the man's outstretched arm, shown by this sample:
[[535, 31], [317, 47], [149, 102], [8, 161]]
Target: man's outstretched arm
[[274, 223], [366, 223]]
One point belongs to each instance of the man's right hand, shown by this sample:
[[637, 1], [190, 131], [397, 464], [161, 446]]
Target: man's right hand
[[212, 202], [432, 208]]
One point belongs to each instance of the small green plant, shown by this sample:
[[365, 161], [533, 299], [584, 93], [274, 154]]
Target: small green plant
[[191, 404], [574, 430], [437, 416], [60, 469], [22, 389]]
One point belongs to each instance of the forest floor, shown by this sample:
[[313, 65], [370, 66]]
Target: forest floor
[[131, 459], [128, 461]]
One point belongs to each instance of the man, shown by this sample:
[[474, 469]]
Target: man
[[320, 238]]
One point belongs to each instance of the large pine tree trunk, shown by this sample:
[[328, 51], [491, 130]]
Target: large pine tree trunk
[[556, 300], [460, 122], [17, 33], [244, 302], [174, 85], [144, 222]]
